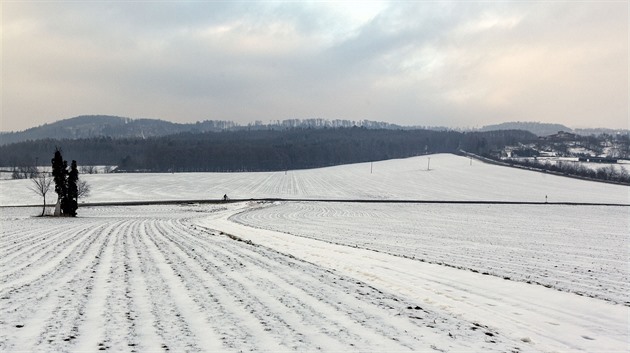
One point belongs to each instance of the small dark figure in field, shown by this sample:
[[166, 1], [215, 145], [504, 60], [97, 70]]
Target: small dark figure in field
[[225, 198]]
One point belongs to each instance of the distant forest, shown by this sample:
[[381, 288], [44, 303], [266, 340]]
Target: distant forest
[[257, 150], [91, 126]]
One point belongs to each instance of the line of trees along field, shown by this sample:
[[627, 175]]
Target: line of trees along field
[[266, 150]]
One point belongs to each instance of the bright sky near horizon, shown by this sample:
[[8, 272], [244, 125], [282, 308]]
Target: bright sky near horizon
[[451, 63]]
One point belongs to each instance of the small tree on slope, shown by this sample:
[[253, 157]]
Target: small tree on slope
[[40, 185], [83, 189]]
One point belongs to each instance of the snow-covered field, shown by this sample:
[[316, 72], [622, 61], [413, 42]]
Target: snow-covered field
[[450, 178], [547, 319], [148, 279], [312, 276], [580, 249]]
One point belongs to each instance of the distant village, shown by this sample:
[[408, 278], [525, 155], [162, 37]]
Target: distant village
[[601, 157], [603, 148]]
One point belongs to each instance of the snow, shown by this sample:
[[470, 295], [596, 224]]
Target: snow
[[306, 276], [450, 178], [150, 278], [619, 167], [550, 320], [583, 249]]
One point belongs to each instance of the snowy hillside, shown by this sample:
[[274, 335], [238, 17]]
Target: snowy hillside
[[449, 177]]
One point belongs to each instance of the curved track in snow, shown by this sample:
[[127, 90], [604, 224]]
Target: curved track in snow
[[549, 320], [582, 249], [149, 279]]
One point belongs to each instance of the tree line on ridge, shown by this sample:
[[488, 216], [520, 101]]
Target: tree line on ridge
[[264, 150]]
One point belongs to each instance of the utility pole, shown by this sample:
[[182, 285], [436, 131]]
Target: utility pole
[[429, 164], [470, 160], [371, 167]]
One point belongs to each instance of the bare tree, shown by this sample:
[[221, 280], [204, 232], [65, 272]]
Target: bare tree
[[83, 189], [88, 169], [23, 172], [41, 185]]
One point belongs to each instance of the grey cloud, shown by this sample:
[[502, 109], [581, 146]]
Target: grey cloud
[[414, 63]]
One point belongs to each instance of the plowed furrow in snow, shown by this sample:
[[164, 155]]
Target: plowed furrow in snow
[[105, 325], [177, 315], [37, 251], [118, 323], [371, 319], [46, 274], [53, 259], [171, 329], [309, 319], [45, 313], [14, 239], [238, 328], [323, 297], [280, 322], [143, 336], [147, 279], [313, 315], [313, 301], [65, 325]]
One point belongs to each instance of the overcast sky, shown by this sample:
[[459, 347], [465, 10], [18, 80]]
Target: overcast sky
[[455, 64]]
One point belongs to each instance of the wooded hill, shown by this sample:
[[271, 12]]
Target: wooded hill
[[258, 150], [92, 126], [546, 129]]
